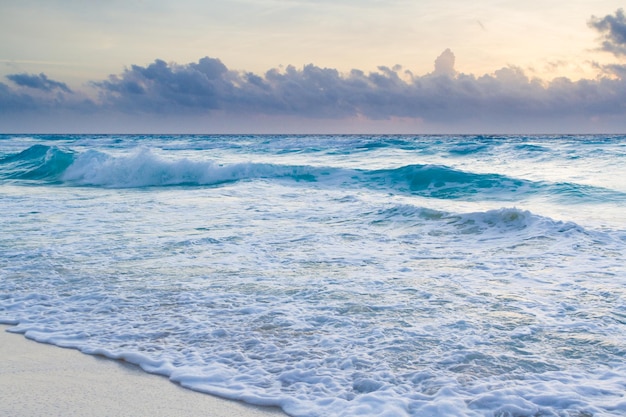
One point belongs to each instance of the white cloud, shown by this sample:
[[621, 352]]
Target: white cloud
[[444, 64]]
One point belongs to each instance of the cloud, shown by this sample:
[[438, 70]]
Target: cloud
[[163, 87], [444, 64], [38, 94], [315, 92], [444, 100], [618, 70], [12, 101], [613, 30], [38, 82]]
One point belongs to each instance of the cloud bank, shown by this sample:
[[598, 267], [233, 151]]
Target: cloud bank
[[445, 100]]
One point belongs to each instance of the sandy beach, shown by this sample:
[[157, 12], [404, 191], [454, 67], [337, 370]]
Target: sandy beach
[[37, 379]]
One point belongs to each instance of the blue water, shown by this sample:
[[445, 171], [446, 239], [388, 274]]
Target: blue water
[[330, 275]]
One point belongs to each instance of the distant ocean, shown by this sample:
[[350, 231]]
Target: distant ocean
[[330, 275]]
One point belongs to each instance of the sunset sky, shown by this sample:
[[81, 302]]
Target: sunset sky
[[312, 66]]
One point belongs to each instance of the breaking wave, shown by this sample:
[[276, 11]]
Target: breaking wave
[[52, 165]]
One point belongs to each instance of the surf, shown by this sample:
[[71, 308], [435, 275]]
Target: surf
[[142, 167]]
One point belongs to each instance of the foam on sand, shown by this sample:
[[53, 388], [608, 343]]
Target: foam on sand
[[43, 380]]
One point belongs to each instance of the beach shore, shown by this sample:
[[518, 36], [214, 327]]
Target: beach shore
[[37, 379]]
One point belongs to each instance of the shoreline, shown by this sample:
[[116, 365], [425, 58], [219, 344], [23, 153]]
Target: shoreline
[[38, 379]]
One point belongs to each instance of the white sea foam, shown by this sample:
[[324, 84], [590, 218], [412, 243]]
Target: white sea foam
[[144, 169], [326, 297]]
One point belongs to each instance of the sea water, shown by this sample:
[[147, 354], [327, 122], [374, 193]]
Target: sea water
[[330, 275]]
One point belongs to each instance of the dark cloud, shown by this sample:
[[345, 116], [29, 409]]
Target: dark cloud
[[617, 70], [38, 82], [314, 92], [38, 94], [12, 101], [613, 30], [163, 87], [445, 99]]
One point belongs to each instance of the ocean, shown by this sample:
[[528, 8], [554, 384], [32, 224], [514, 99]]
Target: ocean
[[330, 275]]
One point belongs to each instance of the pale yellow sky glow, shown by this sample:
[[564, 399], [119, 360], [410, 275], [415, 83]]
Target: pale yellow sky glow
[[76, 41]]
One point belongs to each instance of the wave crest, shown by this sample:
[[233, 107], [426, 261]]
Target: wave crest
[[39, 162], [506, 219], [444, 182], [143, 168]]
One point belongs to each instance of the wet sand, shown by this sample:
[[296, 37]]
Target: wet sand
[[37, 379]]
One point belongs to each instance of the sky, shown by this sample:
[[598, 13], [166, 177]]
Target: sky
[[312, 66]]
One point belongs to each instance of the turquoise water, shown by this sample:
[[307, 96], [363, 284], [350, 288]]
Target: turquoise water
[[330, 275]]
